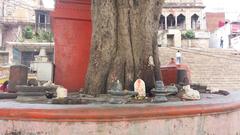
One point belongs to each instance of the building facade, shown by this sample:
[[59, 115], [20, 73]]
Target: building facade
[[15, 16], [229, 34], [178, 17]]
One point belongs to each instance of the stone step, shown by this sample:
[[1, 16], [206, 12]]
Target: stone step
[[214, 67]]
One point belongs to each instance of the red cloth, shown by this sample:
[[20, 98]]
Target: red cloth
[[3, 88], [221, 24]]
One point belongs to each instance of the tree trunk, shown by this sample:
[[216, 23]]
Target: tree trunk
[[124, 40]]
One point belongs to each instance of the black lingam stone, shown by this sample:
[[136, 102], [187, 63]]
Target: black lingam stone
[[118, 95], [160, 93]]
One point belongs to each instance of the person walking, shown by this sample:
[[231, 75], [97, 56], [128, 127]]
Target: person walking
[[178, 57], [221, 42]]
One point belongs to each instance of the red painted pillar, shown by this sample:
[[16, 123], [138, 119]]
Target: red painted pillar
[[72, 32]]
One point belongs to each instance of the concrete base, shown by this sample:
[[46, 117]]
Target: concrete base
[[219, 116], [220, 124]]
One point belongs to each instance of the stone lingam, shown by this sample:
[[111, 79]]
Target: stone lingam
[[161, 92], [118, 95]]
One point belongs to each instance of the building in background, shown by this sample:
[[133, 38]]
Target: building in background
[[24, 30], [179, 17], [225, 24], [230, 33], [215, 20]]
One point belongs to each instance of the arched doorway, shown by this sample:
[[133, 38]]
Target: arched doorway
[[162, 22], [181, 21], [195, 22], [171, 23]]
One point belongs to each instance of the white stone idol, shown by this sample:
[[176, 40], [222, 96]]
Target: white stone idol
[[61, 92], [151, 61], [140, 88], [190, 94]]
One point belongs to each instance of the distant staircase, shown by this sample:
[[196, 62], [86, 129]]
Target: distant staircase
[[216, 68]]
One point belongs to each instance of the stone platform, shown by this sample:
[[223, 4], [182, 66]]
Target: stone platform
[[219, 116]]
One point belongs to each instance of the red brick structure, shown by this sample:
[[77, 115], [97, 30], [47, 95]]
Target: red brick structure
[[214, 20]]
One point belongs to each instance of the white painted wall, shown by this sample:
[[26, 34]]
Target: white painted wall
[[223, 32], [235, 43], [177, 37]]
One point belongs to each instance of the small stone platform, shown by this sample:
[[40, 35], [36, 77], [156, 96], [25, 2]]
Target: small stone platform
[[213, 115]]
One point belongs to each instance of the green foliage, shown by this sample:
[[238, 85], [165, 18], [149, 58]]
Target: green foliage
[[47, 36], [43, 36], [40, 36], [189, 34], [28, 32]]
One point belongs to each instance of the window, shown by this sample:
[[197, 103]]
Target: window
[[181, 21], [162, 22], [195, 22], [42, 18], [171, 21]]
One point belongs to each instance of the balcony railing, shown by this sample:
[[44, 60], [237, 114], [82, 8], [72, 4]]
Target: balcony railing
[[9, 20]]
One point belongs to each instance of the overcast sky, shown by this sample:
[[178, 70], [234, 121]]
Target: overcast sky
[[48, 3]]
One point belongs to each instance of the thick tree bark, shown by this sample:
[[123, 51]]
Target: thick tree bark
[[124, 39]]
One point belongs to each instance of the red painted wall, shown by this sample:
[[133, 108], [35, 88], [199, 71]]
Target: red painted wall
[[213, 20], [72, 29]]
